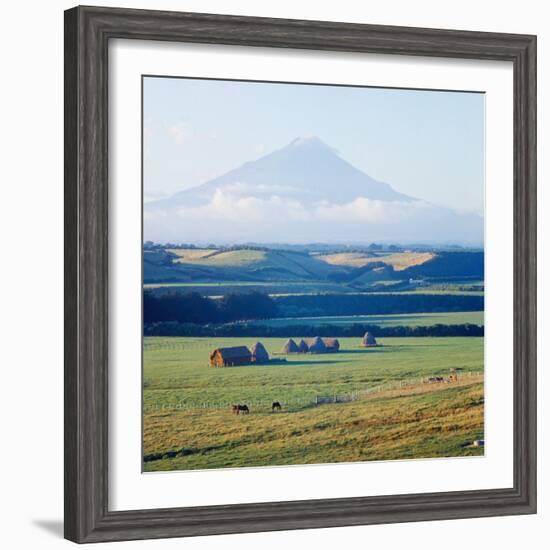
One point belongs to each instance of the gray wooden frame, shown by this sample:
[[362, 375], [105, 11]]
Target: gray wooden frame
[[87, 34]]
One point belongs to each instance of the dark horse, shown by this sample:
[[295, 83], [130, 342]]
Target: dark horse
[[240, 408], [275, 406]]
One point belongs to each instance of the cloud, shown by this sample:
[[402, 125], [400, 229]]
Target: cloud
[[245, 209], [181, 133], [233, 214], [363, 210], [234, 205]]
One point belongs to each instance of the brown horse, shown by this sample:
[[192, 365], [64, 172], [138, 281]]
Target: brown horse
[[275, 406], [236, 409]]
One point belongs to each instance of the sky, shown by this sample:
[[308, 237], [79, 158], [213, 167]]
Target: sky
[[426, 144]]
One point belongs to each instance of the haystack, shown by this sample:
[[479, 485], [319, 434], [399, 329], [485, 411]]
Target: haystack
[[303, 347], [317, 345], [369, 341], [290, 346], [259, 353], [331, 344]]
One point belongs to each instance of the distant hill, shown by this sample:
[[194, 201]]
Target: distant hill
[[266, 265], [235, 265], [450, 264]]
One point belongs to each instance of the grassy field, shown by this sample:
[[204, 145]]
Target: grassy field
[[262, 264], [394, 412], [293, 288], [439, 291], [406, 319], [186, 255], [233, 258], [399, 260], [268, 287]]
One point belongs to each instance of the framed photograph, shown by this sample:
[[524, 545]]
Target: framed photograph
[[300, 274]]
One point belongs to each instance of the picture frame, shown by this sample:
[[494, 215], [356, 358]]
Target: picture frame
[[88, 31]]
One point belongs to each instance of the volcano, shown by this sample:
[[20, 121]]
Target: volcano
[[304, 191]]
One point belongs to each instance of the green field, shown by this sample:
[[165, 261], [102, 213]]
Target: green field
[[276, 288], [407, 319], [297, 288], [392, 411], [455, 290]]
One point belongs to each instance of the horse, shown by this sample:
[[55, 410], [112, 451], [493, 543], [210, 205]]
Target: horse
[[275, 406], [236, 409]]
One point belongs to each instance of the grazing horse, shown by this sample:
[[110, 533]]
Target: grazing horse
[[275, 406], [236, 409]]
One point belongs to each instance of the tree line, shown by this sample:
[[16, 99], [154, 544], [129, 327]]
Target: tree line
[[192, 307], [341, 331], [323, 305]]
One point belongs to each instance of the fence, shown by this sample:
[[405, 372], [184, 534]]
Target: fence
[[299, 403]]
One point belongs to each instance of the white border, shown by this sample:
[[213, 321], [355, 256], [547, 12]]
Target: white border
[[128, 487]]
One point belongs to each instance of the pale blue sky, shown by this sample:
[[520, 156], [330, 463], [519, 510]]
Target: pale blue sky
[[426, 144]]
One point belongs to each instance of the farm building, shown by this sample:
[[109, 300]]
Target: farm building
[[230, 357], [290, 346], [259, 353], [303, 347], [331, 344], [368, 341], [317, 345]]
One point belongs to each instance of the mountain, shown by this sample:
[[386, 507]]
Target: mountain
[[304, 192], [306, 169]]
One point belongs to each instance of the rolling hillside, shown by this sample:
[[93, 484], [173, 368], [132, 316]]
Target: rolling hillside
[[399, 261], [348, 269], [235, 265]]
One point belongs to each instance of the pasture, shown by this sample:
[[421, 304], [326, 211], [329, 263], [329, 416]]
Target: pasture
[[392, 412], [399, 261], [274, 288], [405, 319], [300, 288]]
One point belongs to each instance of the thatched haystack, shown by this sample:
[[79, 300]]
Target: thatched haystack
[[302, 346], [259, 353], [331, 344], [290, 346], [368, 341], [230, 357], [317, 345]]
